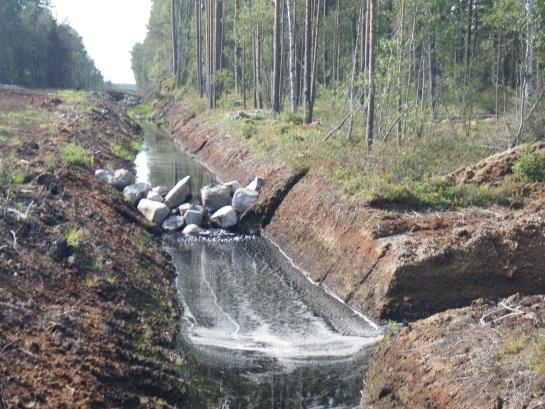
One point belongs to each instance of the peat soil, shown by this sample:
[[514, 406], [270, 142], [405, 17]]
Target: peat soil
[[88, 314]]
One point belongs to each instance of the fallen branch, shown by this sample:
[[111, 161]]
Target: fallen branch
[[334, 130], [394, 124]]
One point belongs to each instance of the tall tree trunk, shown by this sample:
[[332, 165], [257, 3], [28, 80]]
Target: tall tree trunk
[[198, 56], [337, 43], [401, 59], [276, 58], [529, 63], [292, 57], [467, 42], [308, 61], [371, 81], [315, 51], [237, 46], [355, 45], [432, 75], [365, 57], [174, 38]]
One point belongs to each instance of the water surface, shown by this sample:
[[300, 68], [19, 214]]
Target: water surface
[[259, 333]]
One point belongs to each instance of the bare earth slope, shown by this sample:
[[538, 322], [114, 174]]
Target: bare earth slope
[[485, 356], [88, 323]]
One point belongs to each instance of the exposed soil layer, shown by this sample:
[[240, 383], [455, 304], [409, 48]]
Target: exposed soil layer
[[485, 356], [387, 262], [87, 307]]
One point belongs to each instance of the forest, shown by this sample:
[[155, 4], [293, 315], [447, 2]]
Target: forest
[[412, 88], [39, 52]]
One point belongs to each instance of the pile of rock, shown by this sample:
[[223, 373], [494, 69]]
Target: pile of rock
[[220, 205]]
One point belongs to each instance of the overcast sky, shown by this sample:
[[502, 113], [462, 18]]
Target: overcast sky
[[109, 29]]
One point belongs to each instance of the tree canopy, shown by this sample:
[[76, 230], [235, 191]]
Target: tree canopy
[[38, 52]]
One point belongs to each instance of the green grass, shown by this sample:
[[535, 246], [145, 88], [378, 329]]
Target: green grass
[[121, 152], [76, 155], [389, 173], [73, 97], [73, 236], [137, 144], [140, 111], [10, 173], [515, 346], [12, 121]]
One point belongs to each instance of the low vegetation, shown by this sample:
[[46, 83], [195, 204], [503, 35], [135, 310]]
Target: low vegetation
[[76, 155], [121, 152], [73, 236], [141, 111], [412, 173], [530, 167]]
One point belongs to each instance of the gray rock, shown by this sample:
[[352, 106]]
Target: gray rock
[[173, 224], [162, 190], [234, 186], [155, 212], [243, 199], [155, 196], [192, 230], [226, 217], [122, 178], [133, 193], [104, 175], [215, 197], [184, 208], [179, 193], [256, 184], [194, 217]]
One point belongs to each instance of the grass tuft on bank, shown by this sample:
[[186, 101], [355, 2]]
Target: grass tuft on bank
[[76, 155]]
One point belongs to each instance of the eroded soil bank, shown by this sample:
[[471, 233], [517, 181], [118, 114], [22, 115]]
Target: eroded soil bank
[[391, 263], [87, 307], [489, 356]]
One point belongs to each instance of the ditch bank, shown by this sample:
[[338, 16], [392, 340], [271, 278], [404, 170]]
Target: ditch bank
[[88, 309], [391, 263]]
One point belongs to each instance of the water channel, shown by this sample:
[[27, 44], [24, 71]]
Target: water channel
[[258, 332]]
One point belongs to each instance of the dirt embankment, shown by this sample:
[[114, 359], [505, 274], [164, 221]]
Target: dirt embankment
[[87, 307], [387, 262], [486, 356]]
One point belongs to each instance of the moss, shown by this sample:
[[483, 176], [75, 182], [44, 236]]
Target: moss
[[76, 155]]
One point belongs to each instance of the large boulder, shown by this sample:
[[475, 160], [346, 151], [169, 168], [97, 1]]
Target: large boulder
[[155, 212], [215, 197], [226, 217], [133, 193], [243, 199], [162, 190], [256, 184], [173, 224], [194, 216], [104, 175], [184, 208], [179, 193], [155, 196], [192, 230], [234, 186], [122, 178]]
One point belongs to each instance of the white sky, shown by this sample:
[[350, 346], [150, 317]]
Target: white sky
[[109, 29]]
